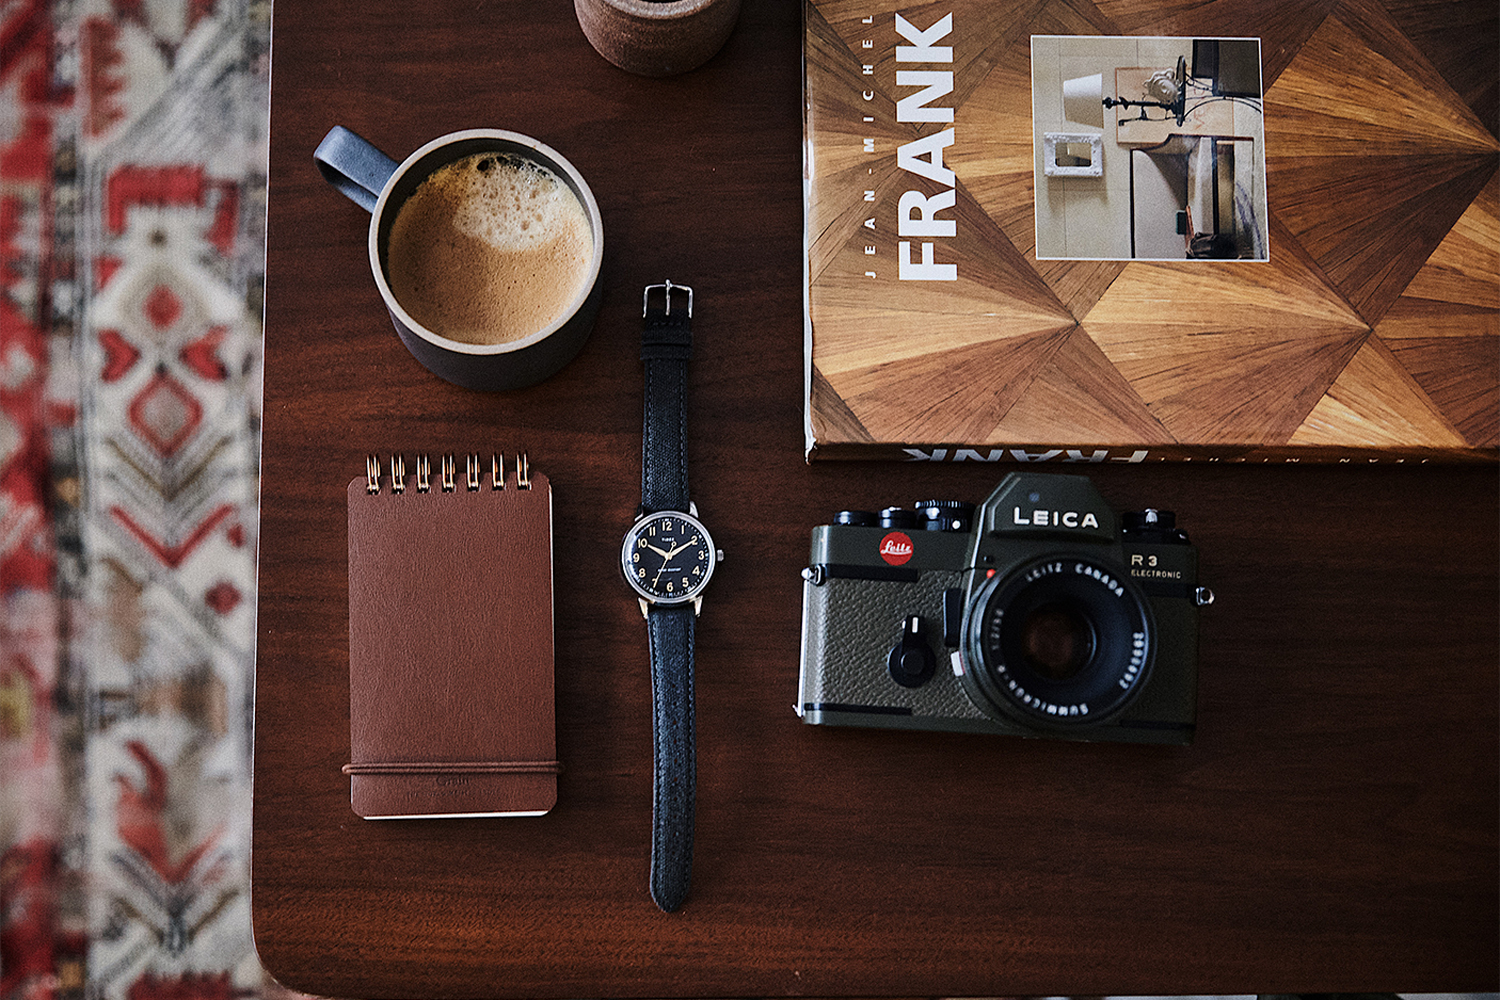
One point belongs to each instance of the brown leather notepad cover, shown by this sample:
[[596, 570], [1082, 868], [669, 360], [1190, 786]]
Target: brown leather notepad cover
[[451, 709]]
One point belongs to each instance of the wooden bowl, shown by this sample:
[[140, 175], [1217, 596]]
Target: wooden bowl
[[657, 37]]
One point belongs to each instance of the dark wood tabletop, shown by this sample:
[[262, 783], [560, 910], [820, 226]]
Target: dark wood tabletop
[[1333, 827]]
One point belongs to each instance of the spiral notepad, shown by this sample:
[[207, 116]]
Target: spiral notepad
[[451, 709]]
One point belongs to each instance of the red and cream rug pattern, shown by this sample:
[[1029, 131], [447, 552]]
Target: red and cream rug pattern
[[132, 183]]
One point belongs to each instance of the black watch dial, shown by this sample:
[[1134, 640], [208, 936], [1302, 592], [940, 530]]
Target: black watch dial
[[668, 557]]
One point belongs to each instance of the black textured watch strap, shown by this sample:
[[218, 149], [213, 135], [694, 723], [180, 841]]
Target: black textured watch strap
[[666, 346], [675, 777]]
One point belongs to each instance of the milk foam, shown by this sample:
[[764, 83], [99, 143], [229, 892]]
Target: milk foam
[[509, 203], [489, 248]]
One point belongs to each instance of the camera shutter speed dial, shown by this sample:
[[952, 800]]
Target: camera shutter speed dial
[[946, 515], [911, 663]]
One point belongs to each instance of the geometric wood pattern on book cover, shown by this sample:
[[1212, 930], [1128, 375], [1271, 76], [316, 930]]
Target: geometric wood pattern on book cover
[[1372, 331]]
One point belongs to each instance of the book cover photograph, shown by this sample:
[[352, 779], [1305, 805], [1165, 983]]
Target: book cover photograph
[[451, 663], [1133, 232]]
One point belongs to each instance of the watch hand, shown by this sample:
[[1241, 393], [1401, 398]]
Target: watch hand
[[666, 557], [656, 580]]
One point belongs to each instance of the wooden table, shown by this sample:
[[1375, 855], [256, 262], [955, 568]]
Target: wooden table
[[1333, 827]]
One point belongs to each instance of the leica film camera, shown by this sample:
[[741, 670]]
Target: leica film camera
[[1040, 613]]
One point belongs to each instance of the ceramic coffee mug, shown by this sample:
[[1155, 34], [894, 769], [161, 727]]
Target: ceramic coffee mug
[[516, 357], [657, 37]]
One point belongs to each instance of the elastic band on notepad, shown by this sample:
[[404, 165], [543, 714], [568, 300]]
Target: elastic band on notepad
[[458, 767]]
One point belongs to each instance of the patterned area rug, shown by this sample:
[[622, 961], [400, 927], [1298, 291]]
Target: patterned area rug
[[132, 179]]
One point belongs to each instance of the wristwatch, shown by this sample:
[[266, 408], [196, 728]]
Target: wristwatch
[[668, 558]]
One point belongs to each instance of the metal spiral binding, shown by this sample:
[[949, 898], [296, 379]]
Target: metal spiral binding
[[448, 473]]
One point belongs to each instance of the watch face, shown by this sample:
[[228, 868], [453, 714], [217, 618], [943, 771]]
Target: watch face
[[668, 557]]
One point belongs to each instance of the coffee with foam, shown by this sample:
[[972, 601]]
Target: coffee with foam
[[490, 249]]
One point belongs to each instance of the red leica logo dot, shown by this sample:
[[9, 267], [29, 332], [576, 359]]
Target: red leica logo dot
[[895, 548]]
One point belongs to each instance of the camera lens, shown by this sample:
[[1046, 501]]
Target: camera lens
[[1057, 642], [1060, 642]]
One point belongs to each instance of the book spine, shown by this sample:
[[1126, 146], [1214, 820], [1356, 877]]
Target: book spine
[[1074, 454]]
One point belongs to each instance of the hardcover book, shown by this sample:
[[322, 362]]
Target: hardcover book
[[451, 709], [1136, 231]]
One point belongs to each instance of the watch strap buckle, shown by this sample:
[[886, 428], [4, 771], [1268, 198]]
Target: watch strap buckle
[[668, 332], [667, 289]]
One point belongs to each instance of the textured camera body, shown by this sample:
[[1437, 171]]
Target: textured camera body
[[1040, 613]]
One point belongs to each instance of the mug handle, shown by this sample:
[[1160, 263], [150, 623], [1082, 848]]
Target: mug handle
[[355, 167]]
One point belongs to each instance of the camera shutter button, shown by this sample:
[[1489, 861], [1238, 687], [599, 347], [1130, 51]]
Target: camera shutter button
[[911, 663], [898, 517]]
